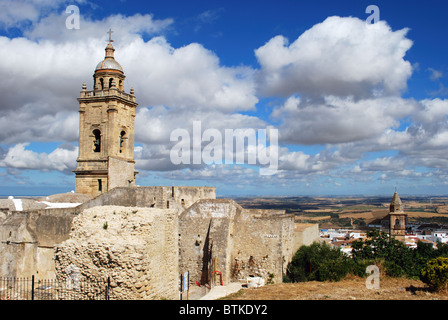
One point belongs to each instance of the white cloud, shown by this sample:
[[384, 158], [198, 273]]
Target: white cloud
[[125, 28], [38, 102], [435, 74], [339, 120], [340, 56], [341, 80], [154, 127], [20, 13], [187, 77], [61, 159]]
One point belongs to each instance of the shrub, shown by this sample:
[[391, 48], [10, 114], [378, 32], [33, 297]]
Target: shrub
[[435, 273], [320, 262]]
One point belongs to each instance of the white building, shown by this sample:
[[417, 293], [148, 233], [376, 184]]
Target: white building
[[439, 236]]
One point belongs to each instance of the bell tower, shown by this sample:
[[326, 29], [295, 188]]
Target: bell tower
[[397, 219], [106, 130]]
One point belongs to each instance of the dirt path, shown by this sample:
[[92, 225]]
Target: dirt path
[[348, 289]]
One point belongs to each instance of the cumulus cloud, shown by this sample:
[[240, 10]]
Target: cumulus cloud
[[45, 72], [340, 56], [61, 159], [21, 13], [155, 125], [125, 28], [339, 120], [190, 76], [341, 83]]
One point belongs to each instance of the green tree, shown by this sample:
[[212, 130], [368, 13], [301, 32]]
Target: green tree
[[395, 258], [320, 262], [435, 273]]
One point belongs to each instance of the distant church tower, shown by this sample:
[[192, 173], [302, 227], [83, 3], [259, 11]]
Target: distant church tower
[[397, 219], [106, 130]]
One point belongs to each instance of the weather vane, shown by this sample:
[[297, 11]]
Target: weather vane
[[110, 35]]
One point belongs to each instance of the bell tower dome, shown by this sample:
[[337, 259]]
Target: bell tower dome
[[106, 130]]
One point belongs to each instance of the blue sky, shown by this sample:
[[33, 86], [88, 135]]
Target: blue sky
[[359, 109]]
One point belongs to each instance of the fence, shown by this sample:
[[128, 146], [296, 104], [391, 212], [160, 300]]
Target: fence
[[53, 289]]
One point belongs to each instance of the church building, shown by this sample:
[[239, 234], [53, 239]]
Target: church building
[[397, 219], [106, 130]]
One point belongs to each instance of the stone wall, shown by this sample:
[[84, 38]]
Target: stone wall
[[161, 197], [136, 247], [27, 240], [205, 232], [306, 234], [241, 242], [120, 173], [263, 244], [89, 183]]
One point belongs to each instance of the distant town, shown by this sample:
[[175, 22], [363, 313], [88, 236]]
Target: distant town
[[343, 220]]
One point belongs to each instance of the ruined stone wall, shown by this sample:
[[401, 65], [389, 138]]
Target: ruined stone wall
[[263, 245], [161, 197], [206, 232], [187, 196], [136, 247], [244, 242], [27, 240], [305, 234]]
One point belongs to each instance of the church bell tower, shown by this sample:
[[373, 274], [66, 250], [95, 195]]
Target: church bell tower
[[106, 130], [397, 219]]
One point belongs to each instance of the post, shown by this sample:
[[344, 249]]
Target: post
[[186, 286], [107, 288], [181, 286], [32, 287]]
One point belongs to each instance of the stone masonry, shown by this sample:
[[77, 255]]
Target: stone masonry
[[133, 246], [243, 242]]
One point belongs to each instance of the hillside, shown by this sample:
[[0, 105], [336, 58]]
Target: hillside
[[351, 288]]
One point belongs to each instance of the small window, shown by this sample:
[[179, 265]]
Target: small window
[[100, 185], [102, 83], [182, 201], [168, 204], [111, 81], [122, 136], [97, 140]]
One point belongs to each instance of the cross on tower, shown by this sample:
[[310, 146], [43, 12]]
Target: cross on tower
[[110, 35]]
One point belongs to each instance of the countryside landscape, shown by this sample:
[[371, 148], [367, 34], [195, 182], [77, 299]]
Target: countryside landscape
[[356, 211], [350, 212]]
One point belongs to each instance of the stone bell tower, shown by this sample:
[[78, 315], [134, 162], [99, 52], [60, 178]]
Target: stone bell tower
[[397, 219], [106, 130]]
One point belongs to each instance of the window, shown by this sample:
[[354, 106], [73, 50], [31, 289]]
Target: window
[[97, 140], [100, 185], [168, 204], [111, 82], [122, 135], [102, 83]]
